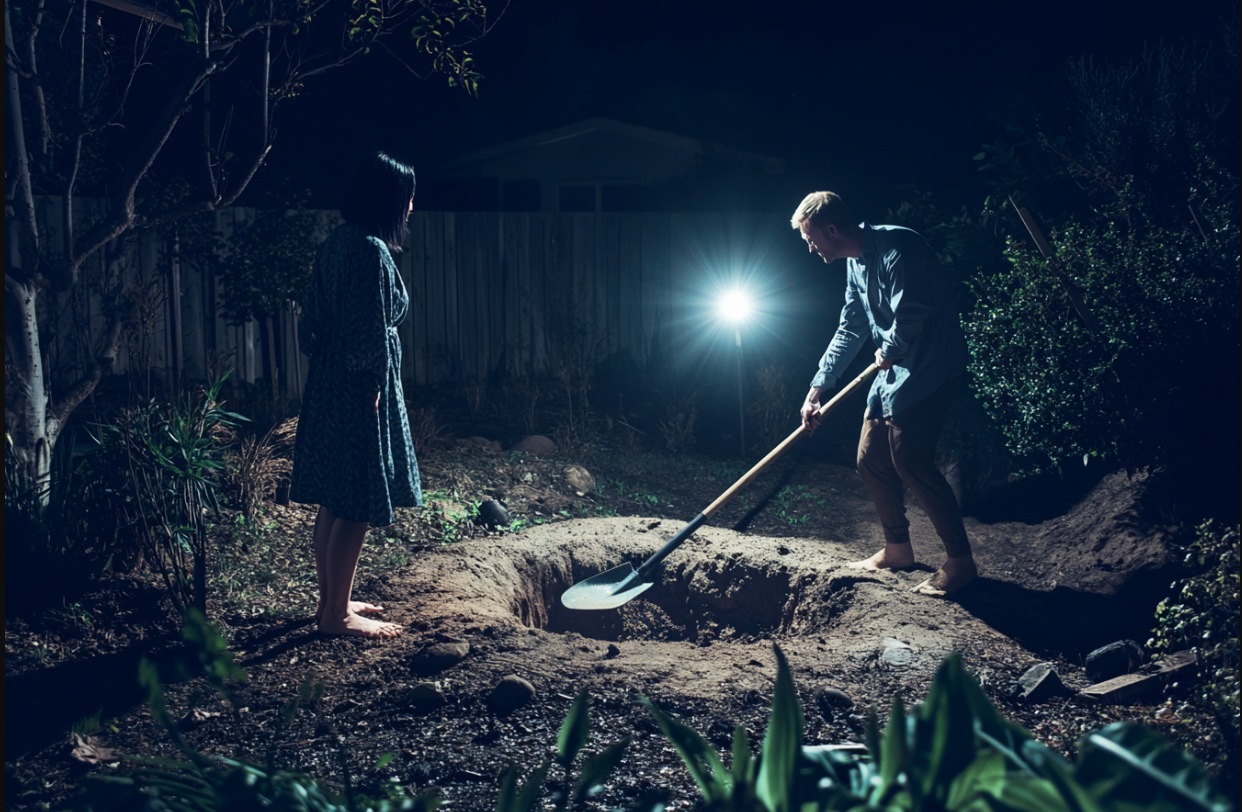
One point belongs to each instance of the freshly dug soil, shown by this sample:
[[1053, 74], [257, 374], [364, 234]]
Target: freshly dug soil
[[769, 570]]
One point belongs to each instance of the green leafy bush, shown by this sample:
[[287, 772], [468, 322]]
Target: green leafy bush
[[1167, 304], [1106, 349], [953, 752], [1202, 615], [171, 457]]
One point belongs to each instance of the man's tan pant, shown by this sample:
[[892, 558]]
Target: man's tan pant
[[901, 450]]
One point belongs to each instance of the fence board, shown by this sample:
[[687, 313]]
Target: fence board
[[416, 349], [437, 298], [513, 293], [539, 230]]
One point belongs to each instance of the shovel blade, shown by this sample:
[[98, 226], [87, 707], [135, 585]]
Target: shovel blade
[[608, 590]]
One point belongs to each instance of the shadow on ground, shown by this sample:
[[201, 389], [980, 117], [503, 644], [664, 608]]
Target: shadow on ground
[[1062, 621]]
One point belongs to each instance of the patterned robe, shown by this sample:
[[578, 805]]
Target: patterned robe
[[356, 462]]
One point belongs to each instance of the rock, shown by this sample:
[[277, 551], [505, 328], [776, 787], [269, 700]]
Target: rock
[[426, 696], [613, 651], [510, 693], [492, 515], [579, 479], [1115, 659], [536, 444], [439, 656], [1039, 682], [87, 751], [896, 654], [830, 699]]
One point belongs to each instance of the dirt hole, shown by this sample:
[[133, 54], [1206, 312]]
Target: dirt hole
[[702, 602]]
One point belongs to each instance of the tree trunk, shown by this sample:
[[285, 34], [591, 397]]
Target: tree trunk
[[35, 432]]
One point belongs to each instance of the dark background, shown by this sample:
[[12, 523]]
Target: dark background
[[870, 100], [874, 101]]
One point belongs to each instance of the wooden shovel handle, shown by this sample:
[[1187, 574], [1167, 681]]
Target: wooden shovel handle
[[750, 475]]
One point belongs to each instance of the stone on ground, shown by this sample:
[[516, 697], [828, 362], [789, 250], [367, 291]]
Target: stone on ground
[[439, 656], [426, 696], [1115, 659], [579, 479], [510, 693], [1040, 682], [830, 699], [492, 514], [896, 654]]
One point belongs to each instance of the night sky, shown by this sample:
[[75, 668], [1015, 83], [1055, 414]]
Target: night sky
[[861, 98]]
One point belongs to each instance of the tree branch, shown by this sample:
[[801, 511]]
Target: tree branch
[[121, 215], [23, 199], [44, 128]]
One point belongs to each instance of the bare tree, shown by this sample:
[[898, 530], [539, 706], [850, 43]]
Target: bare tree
[[74, 72]]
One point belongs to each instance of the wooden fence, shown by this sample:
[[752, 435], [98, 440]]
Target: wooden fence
[[492, 294]]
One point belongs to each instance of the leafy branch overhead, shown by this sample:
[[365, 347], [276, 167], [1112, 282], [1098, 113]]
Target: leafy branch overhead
[[161, 114]]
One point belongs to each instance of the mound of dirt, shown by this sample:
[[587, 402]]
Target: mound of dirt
[[770, 569]]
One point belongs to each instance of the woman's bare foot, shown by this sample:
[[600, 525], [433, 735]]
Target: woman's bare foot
[[954, 574], [356, 608], [357, 626], [892, 557]]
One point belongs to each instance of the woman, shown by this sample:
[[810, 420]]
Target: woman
[[354, 457]]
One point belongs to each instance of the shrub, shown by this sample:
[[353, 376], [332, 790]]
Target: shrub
[[1146, 240], [258, 465], [1202, 615], [677, 429], [171, 460], [425, 425], [1167, 304]]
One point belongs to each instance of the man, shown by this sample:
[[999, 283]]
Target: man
[[897, 293]]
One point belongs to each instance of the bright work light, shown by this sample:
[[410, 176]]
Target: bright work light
[[735, 305]]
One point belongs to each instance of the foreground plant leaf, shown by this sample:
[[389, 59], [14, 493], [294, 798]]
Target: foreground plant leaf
[[782, 742], [575, 730], [700, 757], [1135, 767], [597, 768]]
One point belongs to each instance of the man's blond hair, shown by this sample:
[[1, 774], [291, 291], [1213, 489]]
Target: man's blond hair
[[821, 209]]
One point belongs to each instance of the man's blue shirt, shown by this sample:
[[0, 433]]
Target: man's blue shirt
[[897, 291]]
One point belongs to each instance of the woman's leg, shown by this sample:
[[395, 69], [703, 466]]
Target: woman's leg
[[341, 549], [323, 529]]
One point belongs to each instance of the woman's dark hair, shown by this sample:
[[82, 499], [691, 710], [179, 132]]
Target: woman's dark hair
[[379, 199]]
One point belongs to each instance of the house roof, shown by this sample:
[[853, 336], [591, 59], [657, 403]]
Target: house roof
[[611, 127]]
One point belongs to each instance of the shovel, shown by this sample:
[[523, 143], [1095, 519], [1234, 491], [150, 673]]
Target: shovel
[[618, 585]]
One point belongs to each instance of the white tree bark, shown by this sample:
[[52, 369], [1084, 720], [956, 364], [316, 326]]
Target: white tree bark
[[40, 414]]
